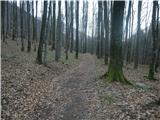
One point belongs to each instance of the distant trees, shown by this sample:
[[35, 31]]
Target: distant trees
[[100, 34]]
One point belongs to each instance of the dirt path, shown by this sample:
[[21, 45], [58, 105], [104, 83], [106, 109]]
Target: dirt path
[[70, 97]]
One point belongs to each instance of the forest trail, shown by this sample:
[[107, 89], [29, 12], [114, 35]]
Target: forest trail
[[74, 93]]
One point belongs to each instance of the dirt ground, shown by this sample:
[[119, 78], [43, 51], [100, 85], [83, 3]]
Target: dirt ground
[[73, 90]]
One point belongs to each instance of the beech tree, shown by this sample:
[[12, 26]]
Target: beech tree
[[28, 22], [77, 29], [58, 38], [106, 26], [99, 23], [138, 35], [126, 29], [152, 64], [54, 25], [71, 26], [115, 72], [22, 24], [43, 27], [33, 27], [67, 30]]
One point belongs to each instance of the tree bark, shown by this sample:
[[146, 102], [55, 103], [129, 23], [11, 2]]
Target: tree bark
[[77, 29], [58, 38], [22, 23], [54, 25], [136, 57], [152, 64], [115, 72], [99, 22], [40, 47], [71, 26], [28, 22]]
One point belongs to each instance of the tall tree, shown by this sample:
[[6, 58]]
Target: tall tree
[[36, 26], [115, 72], [58, 38], [40, 47], [28, 22], [126, 28], [85, 3], [7, 18], [47, 33], [3, 19], [22, 24], [99, 23], [106, 26], [67, 30], [77, 29], [152, 64], [14, 29], [158, 42], [92, 42], [54, 25], [102, 34], [138, 35], [33, 27], [71, 26]]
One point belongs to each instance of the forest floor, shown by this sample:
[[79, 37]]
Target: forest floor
[[73, 89]]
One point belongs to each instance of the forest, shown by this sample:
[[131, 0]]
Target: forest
[[80, 60]]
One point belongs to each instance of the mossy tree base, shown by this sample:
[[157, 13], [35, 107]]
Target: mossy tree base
[[115, 74]]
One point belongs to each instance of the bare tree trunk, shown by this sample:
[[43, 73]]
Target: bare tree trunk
[[33, 22], [106, 24], [136, 57], [28, 19], [22, 23], [152, 64], [126, 46], [36, 39], [40, 48], [54, 25], [47, 34], [99, 22], [3, 19], [77, 29], [67, 30], [71, 26], [115, 72], [92, 43], [58, 38], [158, 42]]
